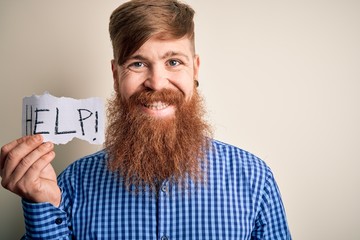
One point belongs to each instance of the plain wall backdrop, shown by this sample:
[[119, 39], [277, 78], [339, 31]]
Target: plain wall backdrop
[[281, 79]]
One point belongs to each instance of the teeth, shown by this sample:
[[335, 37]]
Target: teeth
[[157, 105]]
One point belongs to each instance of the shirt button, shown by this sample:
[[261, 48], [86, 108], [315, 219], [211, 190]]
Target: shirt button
[[164, 189], [58, 221], [164, 238]]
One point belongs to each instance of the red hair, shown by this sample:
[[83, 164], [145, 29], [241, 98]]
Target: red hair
[[136, 21]]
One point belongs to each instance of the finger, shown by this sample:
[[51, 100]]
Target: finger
[[8, 147], [31, 186], [26, 163], [17, 153]]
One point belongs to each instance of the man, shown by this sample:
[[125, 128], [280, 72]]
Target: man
[[161, 175]]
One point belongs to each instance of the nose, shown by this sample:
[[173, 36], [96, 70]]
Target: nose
[[157, 78]]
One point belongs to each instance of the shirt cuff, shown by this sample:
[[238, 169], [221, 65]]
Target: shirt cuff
[[45, 221]]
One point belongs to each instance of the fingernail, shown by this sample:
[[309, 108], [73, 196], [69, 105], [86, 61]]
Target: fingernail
[[37, 138]]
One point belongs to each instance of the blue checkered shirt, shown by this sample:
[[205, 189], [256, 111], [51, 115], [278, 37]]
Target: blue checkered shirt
[[239, 201]]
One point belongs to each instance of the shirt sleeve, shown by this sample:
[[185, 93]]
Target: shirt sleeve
[[45, 221], [271, 220]]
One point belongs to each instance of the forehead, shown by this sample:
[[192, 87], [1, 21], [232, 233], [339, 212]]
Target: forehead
[[158, 47]]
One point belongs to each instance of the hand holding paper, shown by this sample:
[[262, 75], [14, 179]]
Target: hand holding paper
[[26, 170]]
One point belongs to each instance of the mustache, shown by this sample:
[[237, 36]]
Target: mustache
[[167, 96]]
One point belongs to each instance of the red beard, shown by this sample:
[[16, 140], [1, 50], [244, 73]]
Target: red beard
[[146, 150]]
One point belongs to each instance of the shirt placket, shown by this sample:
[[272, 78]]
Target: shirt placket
[[163, 212]]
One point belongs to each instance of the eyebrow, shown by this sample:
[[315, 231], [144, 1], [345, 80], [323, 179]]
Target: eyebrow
[[137, 57], [174, 54], [166, 55]]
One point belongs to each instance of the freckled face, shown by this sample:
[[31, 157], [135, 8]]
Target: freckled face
[[156, 65]]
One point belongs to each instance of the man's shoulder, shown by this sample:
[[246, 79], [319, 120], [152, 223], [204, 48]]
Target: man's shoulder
[[232, 154], [235, 163]]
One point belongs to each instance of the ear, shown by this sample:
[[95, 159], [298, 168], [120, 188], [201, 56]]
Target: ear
[[196, 67], [115, 73]]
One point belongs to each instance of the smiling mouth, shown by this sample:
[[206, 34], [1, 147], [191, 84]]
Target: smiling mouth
[[156, 105]]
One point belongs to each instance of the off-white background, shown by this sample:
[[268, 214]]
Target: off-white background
[[281, 79]]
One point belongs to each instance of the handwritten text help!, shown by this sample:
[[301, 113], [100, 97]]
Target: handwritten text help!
[[59, 120]]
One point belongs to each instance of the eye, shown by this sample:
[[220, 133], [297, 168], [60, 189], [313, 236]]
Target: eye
[[136, 65], [173, 62]]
